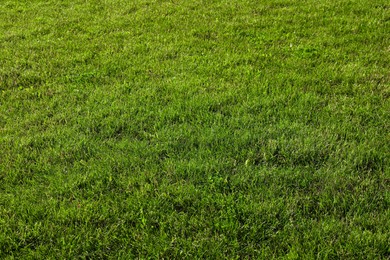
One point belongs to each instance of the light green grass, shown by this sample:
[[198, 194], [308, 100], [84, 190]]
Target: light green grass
[[194, 129]]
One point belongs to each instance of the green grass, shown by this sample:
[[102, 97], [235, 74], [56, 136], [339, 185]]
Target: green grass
[[195, 129]]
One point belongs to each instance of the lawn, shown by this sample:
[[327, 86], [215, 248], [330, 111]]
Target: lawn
[[183, 129]]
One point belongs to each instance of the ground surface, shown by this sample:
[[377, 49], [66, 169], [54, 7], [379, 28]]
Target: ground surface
[[189, 129]]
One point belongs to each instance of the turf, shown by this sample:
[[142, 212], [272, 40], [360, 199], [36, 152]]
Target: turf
[[194, 129]]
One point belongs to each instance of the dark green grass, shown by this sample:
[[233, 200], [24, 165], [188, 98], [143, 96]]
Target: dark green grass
[[194, 129]]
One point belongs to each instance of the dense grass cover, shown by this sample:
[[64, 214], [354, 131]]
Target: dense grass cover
[[194, 129]]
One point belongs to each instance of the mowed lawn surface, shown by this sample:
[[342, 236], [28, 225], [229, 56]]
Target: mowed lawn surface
[[191, 129]]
